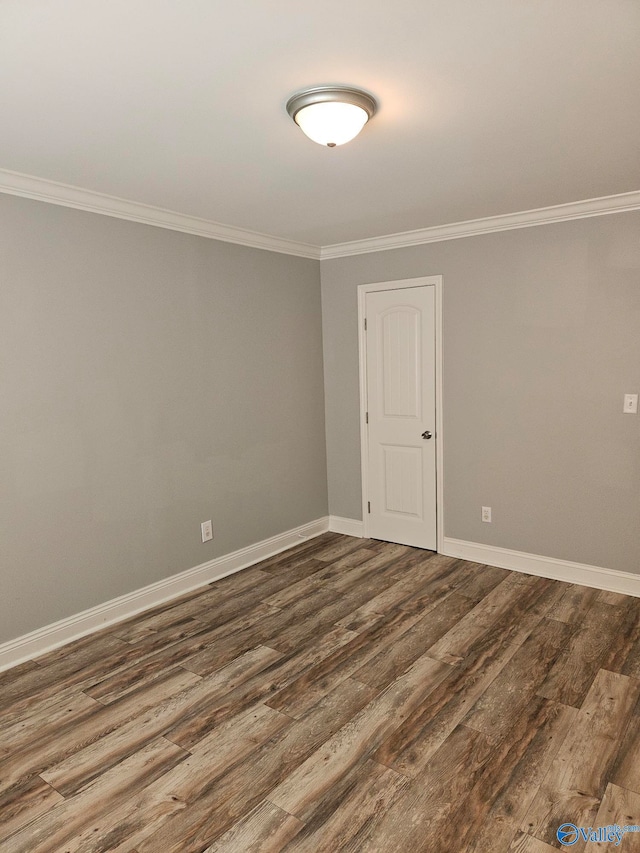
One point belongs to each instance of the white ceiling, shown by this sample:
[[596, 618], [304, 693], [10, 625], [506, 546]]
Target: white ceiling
[[486, 107]]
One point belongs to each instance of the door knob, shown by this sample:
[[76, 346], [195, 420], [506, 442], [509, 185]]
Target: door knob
[[426, 434]]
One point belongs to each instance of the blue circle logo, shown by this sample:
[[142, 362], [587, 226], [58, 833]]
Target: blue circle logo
[[567, 834]]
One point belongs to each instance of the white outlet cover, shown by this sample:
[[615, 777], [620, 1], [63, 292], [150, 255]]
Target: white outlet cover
[[630, 404]]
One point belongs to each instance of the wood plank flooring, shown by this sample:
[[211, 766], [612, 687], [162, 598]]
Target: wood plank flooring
[[346, 695]]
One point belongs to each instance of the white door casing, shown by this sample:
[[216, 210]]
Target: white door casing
[[400, 367]]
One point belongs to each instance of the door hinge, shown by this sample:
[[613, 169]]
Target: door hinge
[[369, 506], [366, 417], [365, 324]]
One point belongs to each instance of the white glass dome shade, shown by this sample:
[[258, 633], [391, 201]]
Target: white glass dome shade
[[331, 116]]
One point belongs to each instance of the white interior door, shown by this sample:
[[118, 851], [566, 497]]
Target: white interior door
[[401, 413]]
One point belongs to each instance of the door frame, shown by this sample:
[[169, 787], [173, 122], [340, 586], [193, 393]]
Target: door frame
[[435, 281]]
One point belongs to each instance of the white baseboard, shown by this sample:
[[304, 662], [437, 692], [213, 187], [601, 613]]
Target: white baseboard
[[546, 567], [51, 636], [348, 526]]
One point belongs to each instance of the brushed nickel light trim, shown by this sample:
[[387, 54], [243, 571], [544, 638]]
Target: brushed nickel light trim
[[323, 94]]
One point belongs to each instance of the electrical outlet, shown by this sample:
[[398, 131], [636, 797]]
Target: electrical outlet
[[486, 513], [630, 404], [207, 530]]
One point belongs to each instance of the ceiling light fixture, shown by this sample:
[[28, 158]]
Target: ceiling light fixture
[[331, 115]]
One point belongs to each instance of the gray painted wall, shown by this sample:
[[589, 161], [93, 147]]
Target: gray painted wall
[[149, 380], [541, 341]]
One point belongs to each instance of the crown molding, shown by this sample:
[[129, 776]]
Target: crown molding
[[473, 227], [66, 195], [52, 192]]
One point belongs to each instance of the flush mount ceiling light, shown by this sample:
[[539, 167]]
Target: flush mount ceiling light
[[331, 115]]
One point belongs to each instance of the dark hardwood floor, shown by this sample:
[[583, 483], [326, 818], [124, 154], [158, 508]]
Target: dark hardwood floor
[[347, 695]]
